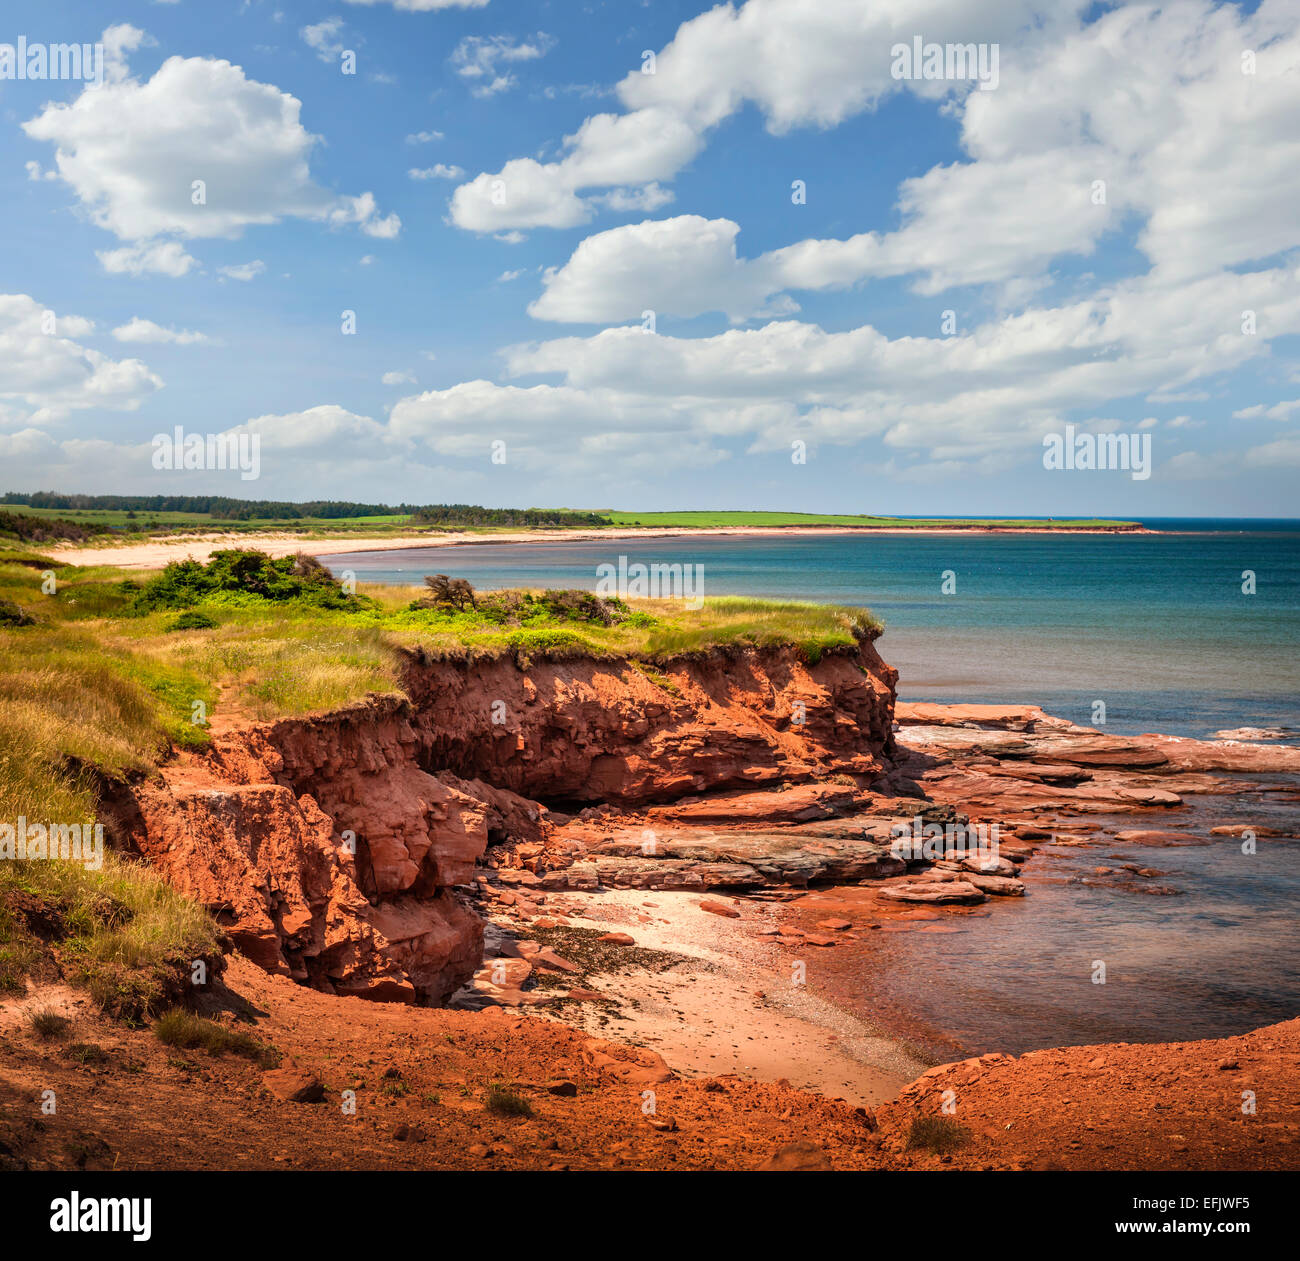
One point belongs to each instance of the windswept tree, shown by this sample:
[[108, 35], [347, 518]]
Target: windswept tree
[[305, 566], [448, 593]]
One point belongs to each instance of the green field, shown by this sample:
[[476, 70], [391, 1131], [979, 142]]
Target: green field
[[146, 522], [703, 520]]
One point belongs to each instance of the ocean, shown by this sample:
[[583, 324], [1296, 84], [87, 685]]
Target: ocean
[[1160, 627]]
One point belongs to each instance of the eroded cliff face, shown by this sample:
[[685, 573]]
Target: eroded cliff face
[[586, 732], [331, 846]]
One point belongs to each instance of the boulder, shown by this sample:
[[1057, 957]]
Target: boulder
[[636, 1065], [719, 908], [935, 892], [290, 1084], [800, 1156], [999, 886]]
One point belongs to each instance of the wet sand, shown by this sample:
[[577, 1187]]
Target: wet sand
[[736, 1007]]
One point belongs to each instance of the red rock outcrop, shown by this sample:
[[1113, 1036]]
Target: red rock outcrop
[[1122, 1105], [1001, 760], [604, 731], [277, 871], [331, 846]]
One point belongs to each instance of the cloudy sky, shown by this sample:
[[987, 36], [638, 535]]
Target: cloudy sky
[[916, 279]]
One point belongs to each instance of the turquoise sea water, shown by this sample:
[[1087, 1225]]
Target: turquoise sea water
[[1159, 628]]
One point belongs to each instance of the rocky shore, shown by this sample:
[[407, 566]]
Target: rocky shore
[[643, 867], [798, 872]]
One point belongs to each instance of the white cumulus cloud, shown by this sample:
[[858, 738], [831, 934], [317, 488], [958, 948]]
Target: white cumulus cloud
[[141, 330], [46, 373], [483, 61], [439, 171], [800, 64], [198, 150], [243, 271]]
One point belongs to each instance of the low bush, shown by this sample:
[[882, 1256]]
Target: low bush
[[183, 1029], [192, 619], [937, 1134], [505, 1102], [11, 614], [185, 583]]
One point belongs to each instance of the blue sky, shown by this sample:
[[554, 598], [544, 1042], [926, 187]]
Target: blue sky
[[498, 296]]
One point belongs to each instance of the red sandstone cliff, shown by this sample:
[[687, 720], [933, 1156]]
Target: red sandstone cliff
[[593, 731], [330, 846]]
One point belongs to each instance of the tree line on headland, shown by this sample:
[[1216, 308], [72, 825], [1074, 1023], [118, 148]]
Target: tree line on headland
[[225, 509]]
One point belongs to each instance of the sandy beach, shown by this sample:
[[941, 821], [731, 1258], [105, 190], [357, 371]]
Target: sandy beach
[[156, 553], [733, 1008]]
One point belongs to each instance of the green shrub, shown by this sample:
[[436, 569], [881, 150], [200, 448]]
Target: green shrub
[[180, 1028], [585, 606], [12, 615], [551, 640], [185, 583], [937, 1134], [505, 1102], [192, 619]]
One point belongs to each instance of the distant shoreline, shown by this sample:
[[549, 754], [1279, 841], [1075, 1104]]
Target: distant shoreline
[[158, 552]]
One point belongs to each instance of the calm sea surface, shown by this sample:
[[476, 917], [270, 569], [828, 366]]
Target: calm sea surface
[[1157, 626]]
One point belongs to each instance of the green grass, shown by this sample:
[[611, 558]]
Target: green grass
[[814, 629], [505, 1102], [707, 519], [71, 699], [940, 1135], [186, 1031], [121, 931]]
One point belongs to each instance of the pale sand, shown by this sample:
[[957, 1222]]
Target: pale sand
[[710, 1021], [158, 552]]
